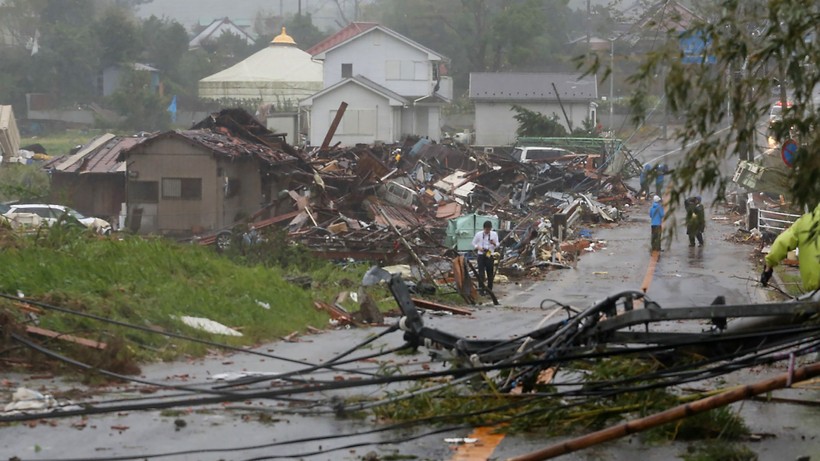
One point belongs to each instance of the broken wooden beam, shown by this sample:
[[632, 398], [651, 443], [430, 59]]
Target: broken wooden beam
[[334, 125], [433, 306], [65, 337]]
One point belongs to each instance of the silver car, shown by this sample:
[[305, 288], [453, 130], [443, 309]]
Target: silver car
[[50, 214]]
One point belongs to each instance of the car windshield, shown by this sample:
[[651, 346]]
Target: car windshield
[[516, 153], [74, 213]]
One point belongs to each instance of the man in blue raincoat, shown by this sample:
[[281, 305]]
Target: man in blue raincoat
[[656, 216]]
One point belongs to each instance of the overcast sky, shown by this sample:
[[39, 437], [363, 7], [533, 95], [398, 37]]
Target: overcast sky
[[191, 12]]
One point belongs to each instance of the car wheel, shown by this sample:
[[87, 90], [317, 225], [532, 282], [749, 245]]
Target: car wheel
[[223, 241]]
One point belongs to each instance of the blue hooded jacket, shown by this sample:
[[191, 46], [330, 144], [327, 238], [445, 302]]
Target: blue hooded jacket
[[656, 213]]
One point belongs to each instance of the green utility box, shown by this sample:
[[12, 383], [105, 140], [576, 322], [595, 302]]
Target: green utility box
[[461, 230]]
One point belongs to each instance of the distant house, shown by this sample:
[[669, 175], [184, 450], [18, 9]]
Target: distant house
[[216, 29], [92, 180], [494, 94], [111, 77], [393, 87], [204, 179]]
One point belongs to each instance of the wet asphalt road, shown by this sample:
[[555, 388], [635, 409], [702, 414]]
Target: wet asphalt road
[[683, 277]]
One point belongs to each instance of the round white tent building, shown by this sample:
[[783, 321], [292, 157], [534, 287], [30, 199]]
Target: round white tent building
[[280, 75]]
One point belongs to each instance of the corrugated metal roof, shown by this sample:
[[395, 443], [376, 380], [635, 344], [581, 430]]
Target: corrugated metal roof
[[98, 156], [515, 86]]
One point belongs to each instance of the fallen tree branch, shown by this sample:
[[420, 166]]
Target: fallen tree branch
[[673, 414]]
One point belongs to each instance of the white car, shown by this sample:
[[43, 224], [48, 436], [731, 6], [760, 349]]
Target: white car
[[51, 214]]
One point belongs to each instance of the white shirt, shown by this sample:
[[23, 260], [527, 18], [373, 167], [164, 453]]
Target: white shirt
[[485, 241]]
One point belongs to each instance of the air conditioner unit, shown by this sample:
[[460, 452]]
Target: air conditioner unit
[[489, 150]]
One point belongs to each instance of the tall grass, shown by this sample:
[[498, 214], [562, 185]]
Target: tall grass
[[151, 282]]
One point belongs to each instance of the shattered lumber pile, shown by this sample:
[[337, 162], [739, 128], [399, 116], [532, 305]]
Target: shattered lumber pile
[[393, 203]]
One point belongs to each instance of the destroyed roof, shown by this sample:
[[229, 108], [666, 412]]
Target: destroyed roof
[[221, 143], [99, 156], [357, 29], [395, 98], [529, 86]]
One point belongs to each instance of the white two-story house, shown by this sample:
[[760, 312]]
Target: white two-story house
[[393, 87]]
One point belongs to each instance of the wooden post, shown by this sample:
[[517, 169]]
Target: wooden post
[[673, 414], [333, 126]]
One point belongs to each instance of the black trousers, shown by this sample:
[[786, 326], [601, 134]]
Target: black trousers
[[656, 238], [485, 266]]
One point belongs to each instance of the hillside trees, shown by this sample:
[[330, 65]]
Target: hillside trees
[[724, 93]]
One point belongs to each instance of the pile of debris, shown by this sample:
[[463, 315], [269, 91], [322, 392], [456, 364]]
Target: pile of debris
[[397, 203]]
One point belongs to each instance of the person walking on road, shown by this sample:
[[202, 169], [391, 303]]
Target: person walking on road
[[804, 235], [661, 171], [645, 179], [485, 242], [695, 220], [656, 215]]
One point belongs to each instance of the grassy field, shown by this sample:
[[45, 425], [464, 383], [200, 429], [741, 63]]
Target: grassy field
[[61, 143], [152, 282]]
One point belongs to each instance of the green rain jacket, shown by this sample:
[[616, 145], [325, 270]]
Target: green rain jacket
[[797, 236]]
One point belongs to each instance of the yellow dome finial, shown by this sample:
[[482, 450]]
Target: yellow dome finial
[[284, 38]]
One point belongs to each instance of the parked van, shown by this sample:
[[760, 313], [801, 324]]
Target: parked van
[[541, 154], [399, 192]]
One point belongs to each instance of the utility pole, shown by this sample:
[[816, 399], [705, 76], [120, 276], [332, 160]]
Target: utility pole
[[611, 81]]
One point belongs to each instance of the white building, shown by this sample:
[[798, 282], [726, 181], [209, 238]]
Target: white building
[[393, 87], [494, 94]]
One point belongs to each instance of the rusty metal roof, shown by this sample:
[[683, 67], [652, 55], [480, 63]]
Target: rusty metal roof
[[221, 143], [99, 156]]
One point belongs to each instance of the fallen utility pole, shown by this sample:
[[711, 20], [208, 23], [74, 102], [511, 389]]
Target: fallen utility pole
[[673, 414], [406, 244], [334, 125]]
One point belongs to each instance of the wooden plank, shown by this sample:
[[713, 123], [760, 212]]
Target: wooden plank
[[433, 306], [64, 337], [23, 306]]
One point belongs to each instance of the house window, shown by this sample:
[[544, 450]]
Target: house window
[[182, 188], [347, 70], [406, 70], [356, 122], [143, 191]]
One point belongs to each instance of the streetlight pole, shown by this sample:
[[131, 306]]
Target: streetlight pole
[[611, 79]]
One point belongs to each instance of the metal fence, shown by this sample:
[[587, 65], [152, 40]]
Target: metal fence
[[772, 221]]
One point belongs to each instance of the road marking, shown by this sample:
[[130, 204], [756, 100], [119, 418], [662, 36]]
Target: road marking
[[489, 441], [650, 271], [482, 449]]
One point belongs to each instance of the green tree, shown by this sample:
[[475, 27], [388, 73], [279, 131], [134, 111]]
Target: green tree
[[143, 108], [725, 94], [304, 33], [118, 37], [531, 123]]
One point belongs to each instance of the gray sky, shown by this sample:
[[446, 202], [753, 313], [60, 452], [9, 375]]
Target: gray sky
[[191, 12]]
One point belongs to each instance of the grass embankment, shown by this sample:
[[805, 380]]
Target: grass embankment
[[152, 282], [58, 144]]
